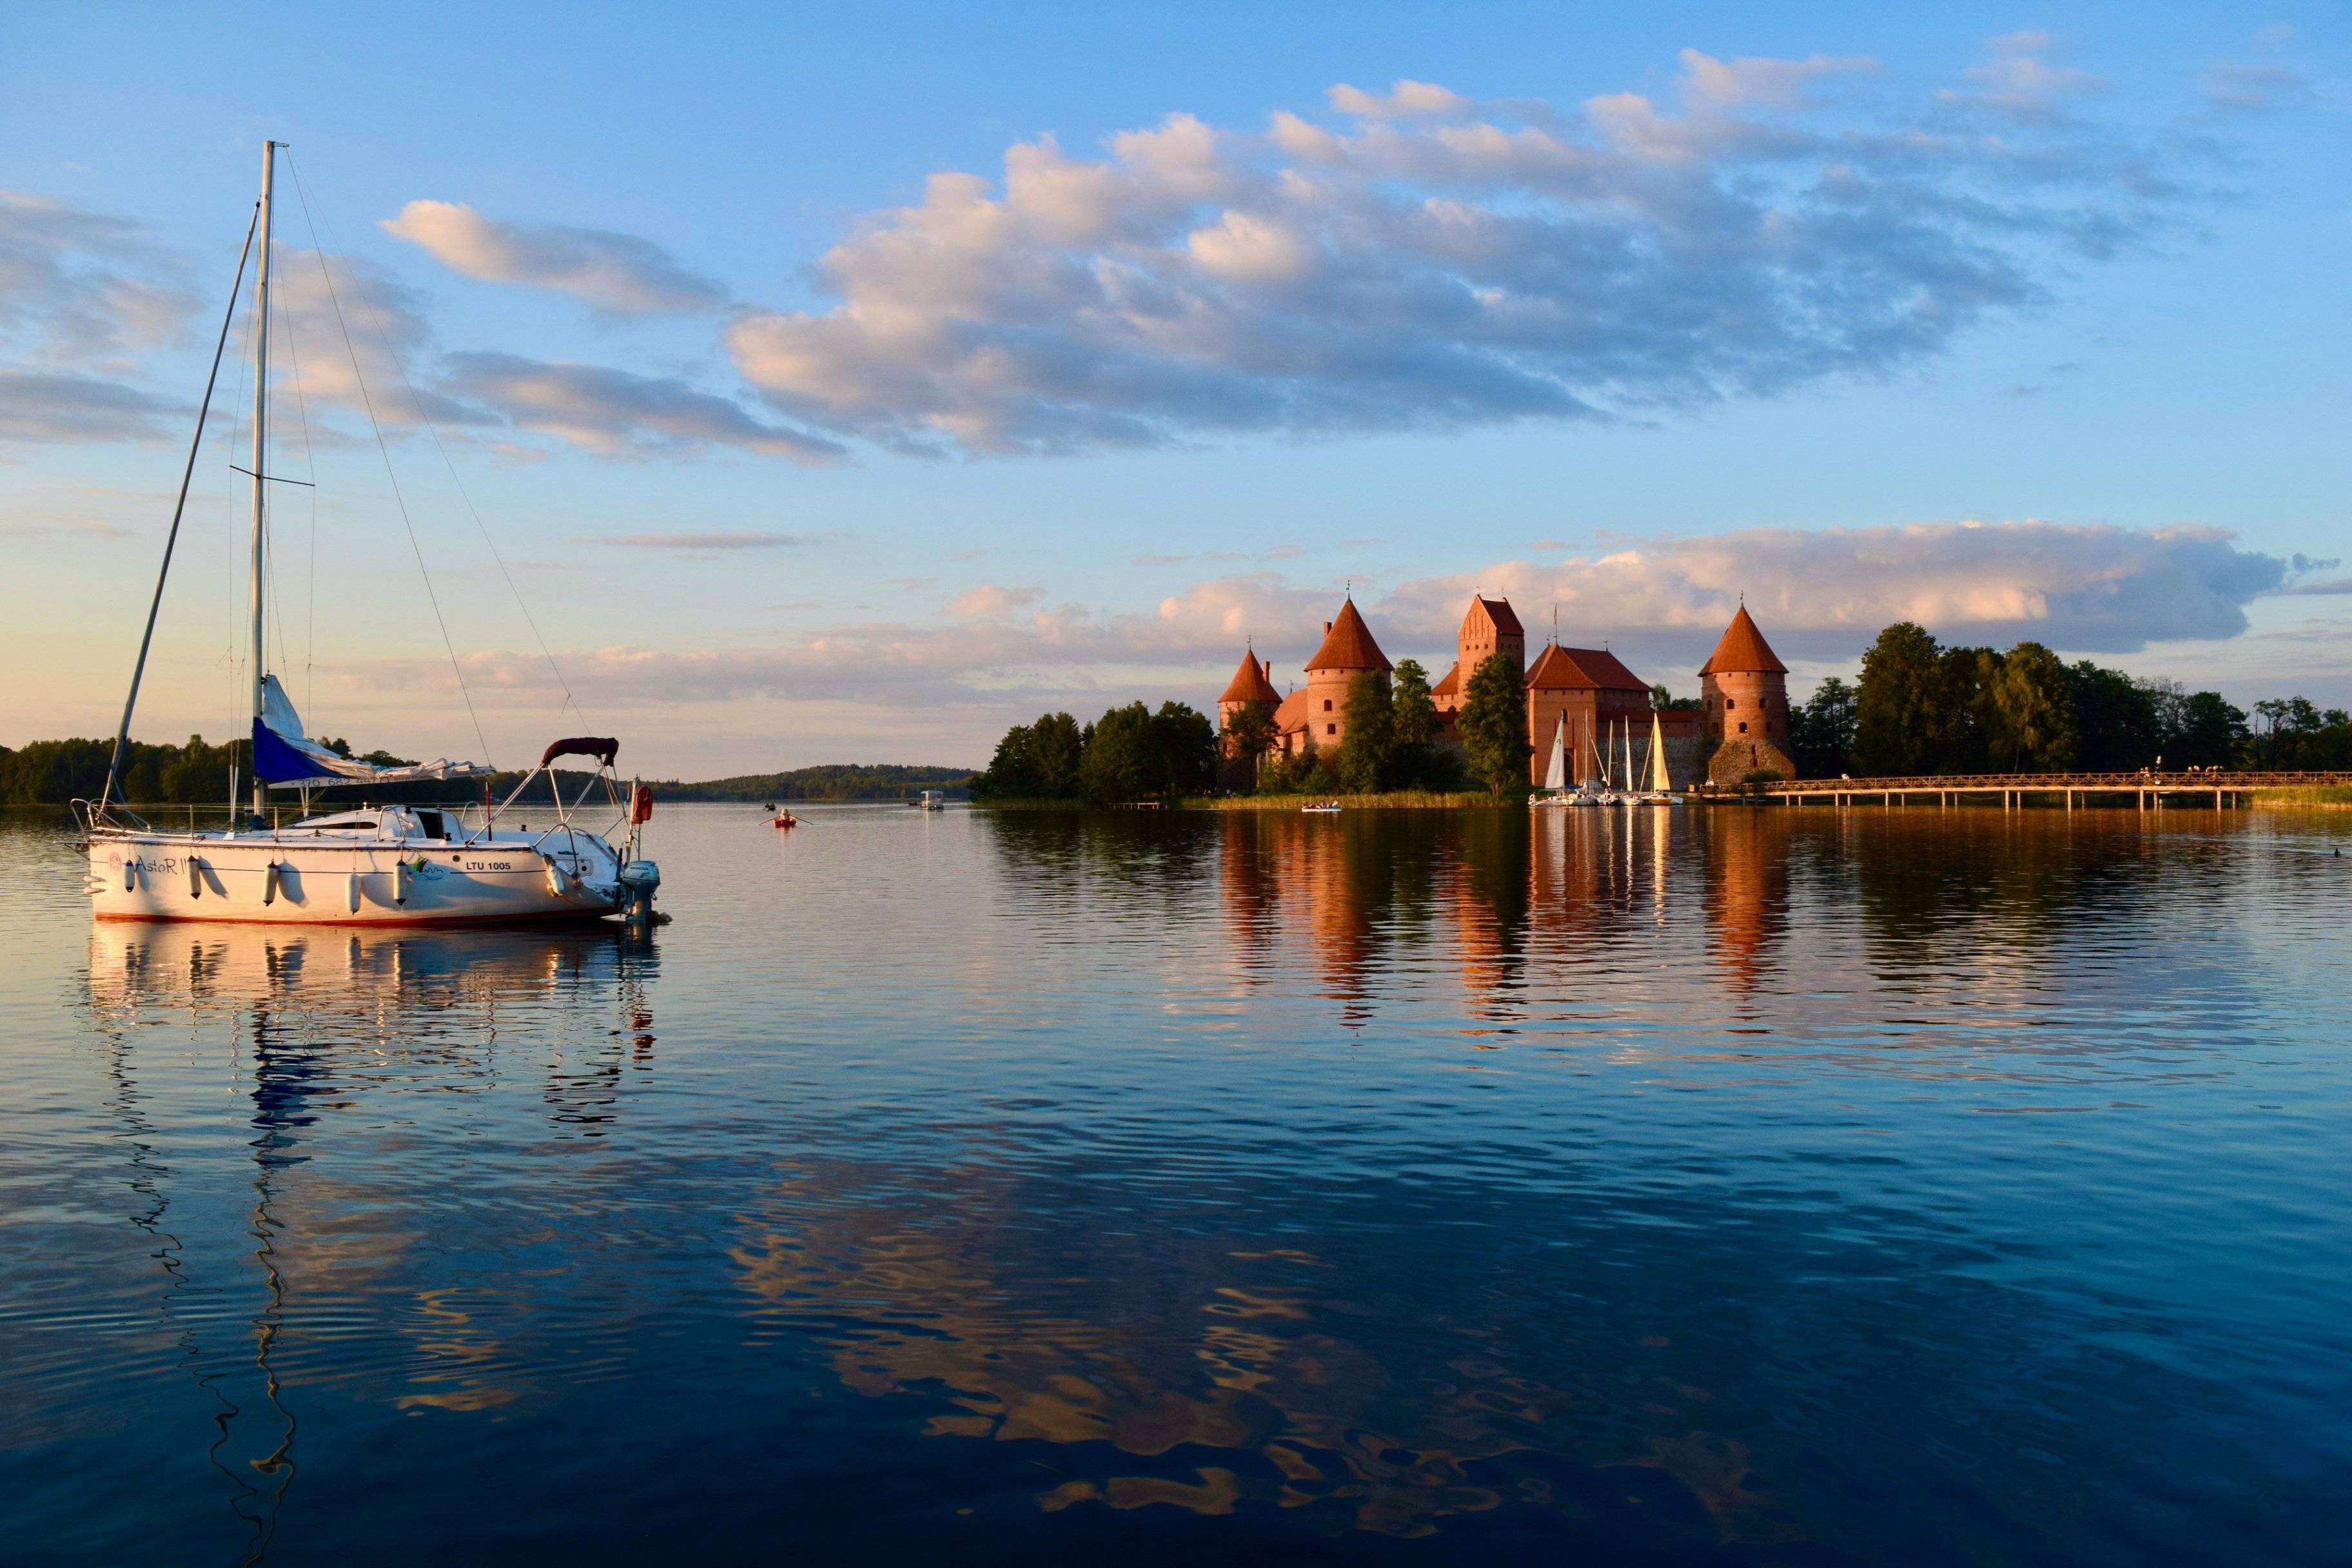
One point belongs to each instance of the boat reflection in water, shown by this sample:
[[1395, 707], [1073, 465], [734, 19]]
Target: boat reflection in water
[[324, 1020]]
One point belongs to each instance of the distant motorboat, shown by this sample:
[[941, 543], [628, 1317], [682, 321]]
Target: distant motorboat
[[1322, 808], [930, 800]]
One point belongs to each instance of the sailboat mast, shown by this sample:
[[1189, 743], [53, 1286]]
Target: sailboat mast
[[261, 436]]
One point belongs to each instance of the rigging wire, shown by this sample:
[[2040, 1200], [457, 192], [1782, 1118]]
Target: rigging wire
[[172, 538], [385, 447], [434, 430]]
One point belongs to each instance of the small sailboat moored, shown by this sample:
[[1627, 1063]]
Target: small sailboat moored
[[1555, 784], [389, 864]]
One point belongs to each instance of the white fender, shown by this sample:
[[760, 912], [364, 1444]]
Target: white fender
[[400, 882], [351, 892], [269, 883], [195, 879], [130, 874]]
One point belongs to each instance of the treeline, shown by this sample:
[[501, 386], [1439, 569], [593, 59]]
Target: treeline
[[1128, 754], [1389, 741], [1924, 707], [51, 773], [829, 780]]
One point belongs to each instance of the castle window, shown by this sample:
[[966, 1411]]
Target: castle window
[[1327, 705], [1334, 729], [1743, 726], [1729, 704]]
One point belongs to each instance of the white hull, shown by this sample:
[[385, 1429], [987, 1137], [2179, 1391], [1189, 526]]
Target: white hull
[[280, 881]]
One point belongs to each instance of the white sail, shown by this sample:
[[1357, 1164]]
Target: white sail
[[1556, 770], [1658, 782]]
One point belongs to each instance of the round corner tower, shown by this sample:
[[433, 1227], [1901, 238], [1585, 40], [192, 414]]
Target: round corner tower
[[1252, 682], [1348, 650], [1743, 690]]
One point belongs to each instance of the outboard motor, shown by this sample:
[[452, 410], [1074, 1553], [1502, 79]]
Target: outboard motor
[[638, 879]]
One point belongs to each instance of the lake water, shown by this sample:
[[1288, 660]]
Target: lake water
[[1745, 1186]]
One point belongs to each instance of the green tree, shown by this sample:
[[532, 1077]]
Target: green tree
[[1033, 761], [1187, 743], [1249, 736], [2031, 706], [1059, 751], [1415, 761], [1967, 718], [2205, 732], [1820, 731], [1667, 701], [1897, 726], [2117, 719], [1493, 724], [2283, 727], [1122, 757], [1371, 725]]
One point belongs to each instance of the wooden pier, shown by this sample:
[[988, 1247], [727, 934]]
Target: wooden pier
[[2224, 789]]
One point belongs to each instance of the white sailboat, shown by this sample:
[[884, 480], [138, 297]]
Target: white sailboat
[[396, 865], [1555, 781], [1595, 790], [1661, 790]]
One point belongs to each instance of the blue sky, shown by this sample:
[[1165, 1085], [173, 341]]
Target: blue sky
[[2027, 322]]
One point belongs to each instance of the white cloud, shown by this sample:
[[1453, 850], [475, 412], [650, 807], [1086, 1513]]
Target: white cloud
[[2089, 587], [82, 289], [1405, 99], [2254, 89], [1433, 263], [43, 405], [616, 413], [1007, 654], [1718, 84], [988, 599], [2018, 81], [618, 272]]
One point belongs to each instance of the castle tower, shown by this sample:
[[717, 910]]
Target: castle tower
[[1252, 682], [1348, 648], [1489, 628], [1743, 690]]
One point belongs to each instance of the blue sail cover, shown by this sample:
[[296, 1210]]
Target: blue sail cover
[[284, 758]]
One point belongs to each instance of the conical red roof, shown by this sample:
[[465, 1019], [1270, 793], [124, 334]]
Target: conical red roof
[[1349, 644], [1743, 651], [1249, 683]]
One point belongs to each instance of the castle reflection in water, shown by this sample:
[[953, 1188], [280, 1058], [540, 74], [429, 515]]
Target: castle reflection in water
[[1251, 1164]]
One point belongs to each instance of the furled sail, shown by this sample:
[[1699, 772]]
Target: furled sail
[[284, 758]]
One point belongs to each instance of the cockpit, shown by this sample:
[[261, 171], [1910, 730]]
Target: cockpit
[[399, 822]]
